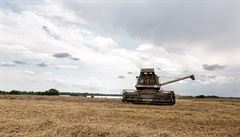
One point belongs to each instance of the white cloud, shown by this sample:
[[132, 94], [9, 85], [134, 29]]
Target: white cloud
[[67, 66], [48, 73], [29, 71], [217, 80], [145, 47]]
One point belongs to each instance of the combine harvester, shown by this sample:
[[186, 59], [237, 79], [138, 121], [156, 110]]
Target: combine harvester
[[149, 90]]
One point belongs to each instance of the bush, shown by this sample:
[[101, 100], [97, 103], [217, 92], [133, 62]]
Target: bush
[[2, 92], [52, 92], [200, 96], [212, 96], [15, 92]]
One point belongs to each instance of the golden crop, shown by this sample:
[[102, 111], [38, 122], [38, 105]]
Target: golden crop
[[84, 117]]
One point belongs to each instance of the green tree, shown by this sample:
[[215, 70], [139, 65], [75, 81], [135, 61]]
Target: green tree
[[15, 92], [200, 96], [52, 92]]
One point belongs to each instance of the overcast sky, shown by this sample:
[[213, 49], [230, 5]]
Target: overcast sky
[[89, 46]]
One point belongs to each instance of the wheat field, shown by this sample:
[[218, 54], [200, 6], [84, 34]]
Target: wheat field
[[33, 116]]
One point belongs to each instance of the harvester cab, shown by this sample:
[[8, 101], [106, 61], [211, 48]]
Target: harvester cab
[[149, 89], [147, 80]]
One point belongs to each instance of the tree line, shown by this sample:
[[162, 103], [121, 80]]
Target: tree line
[[55, 92], [198, 96], [50, 92]]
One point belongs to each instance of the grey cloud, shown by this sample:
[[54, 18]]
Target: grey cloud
[[74, 58], [65, 55], [144, 58], [46, 29], [130, 72], [62, 55], [41, 64], [7, 64], [158, 22], [19, 62], [213, 67], [121, 77], [212, 76]]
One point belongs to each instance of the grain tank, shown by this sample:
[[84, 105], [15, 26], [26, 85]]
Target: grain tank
[[149, 89]]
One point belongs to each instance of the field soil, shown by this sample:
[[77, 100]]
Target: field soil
[[86, 117]]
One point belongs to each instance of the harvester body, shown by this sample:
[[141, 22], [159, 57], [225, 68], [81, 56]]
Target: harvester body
[[149, 90]]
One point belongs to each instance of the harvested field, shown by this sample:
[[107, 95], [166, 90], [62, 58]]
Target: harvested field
[[83, 117]]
